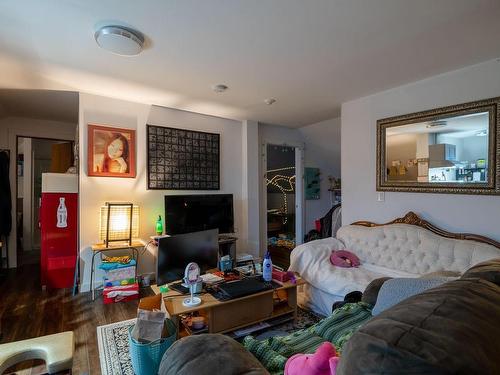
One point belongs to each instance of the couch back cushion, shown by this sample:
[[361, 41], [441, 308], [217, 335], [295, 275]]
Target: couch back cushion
[[413, 249]]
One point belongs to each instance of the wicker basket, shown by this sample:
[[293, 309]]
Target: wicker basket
[[146, 358]]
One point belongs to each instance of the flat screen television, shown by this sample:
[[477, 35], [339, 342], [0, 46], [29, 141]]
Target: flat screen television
[[192, 213], [176, 252]]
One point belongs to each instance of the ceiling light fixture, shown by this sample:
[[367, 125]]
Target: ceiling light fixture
[[219, 88], [120, 40], [270, 101], [436, 124]]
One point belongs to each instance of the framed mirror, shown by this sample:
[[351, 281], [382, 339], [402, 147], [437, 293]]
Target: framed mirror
[[453, 149]]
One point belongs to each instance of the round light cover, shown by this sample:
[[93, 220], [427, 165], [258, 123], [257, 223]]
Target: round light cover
[[120, 40]]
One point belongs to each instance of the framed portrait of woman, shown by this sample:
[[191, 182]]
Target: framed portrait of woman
[[111, 151]]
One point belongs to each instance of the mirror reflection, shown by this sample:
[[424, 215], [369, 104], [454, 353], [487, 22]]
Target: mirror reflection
[[448, 150]]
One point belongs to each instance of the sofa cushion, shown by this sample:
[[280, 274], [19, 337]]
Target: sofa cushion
[[371, 292], [209, 354], [396, 290], [452, 328], [489, 270]]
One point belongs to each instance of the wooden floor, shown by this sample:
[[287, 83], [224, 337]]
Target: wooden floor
[[26, 312]]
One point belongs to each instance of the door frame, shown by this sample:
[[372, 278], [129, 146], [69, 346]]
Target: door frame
[[299, 191], [33, 204]]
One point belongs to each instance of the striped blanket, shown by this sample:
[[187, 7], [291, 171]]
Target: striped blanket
[[337, 328]]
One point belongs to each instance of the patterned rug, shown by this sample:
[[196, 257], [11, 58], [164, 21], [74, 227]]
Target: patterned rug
[[112, 340]]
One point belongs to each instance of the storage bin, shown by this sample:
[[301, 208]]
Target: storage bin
[[121, 273], [146, 358]]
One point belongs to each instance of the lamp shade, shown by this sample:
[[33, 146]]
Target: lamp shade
[[119, 222]]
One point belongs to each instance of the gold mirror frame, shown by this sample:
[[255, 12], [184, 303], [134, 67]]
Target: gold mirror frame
[[491, 187]]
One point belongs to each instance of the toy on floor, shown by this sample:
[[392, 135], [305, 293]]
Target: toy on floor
[[323, 362]]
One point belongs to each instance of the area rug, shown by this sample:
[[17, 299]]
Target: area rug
[[112, 340]]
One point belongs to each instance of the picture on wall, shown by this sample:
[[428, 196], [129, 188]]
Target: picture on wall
[[111, 151], [181, 159]]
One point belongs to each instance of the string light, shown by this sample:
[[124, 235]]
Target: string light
[[277, 181]]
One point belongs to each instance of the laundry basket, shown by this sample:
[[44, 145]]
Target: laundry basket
[[146, 358]]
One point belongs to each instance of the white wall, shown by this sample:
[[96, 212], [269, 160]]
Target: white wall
[[470, 213], [95, 191], [250, 227], [10, 129]]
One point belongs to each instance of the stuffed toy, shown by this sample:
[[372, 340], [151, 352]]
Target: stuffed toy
[[344, 258], [323, 362]]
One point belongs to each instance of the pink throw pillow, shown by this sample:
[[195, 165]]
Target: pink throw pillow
[[344, 258]]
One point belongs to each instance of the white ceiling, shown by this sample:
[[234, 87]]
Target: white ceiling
[[310, 55], [455, 127], [41, 104]]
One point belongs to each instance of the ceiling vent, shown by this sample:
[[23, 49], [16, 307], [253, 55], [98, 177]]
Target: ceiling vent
[[120, 40]]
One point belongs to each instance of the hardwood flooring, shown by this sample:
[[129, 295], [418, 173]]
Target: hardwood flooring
[[26, 312]]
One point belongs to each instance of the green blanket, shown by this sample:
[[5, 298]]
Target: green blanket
[[337, 328]]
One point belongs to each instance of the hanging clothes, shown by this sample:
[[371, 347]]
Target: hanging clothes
[[331, 222], [5, 195]]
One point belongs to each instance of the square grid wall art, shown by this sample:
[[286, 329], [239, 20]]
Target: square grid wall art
[[181, 159]]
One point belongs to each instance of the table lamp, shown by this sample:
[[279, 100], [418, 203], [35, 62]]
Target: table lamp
[[119, 222]]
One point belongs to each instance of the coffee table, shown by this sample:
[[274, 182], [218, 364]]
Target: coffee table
[[227, 316]]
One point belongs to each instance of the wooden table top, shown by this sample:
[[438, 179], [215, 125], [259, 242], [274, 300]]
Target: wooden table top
[[103, 247], [173, 299]]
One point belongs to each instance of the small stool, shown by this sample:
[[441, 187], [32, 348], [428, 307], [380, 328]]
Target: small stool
[[56, 350]]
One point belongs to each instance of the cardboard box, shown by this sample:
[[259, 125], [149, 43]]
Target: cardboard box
[[281, 276]]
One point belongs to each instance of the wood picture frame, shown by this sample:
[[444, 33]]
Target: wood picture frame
[[489, 107], [110, 152]]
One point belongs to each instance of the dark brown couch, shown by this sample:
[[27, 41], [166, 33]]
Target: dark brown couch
[[451, 329]]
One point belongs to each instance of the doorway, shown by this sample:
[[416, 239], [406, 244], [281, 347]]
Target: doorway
[[284, 200], [35, 156]]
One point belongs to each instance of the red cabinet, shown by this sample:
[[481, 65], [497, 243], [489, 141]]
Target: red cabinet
[[59, 229]]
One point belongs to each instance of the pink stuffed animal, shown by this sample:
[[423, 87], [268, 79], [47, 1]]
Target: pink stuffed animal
[[323, 362]]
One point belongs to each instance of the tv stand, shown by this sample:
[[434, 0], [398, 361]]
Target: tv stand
[[227, 246]]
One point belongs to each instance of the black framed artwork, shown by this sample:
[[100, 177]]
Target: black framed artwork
[[180, 159]]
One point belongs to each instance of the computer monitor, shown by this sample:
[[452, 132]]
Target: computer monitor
[[176, 252]]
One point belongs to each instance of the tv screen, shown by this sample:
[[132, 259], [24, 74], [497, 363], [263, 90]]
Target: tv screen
[[176, 252], [193, 213]]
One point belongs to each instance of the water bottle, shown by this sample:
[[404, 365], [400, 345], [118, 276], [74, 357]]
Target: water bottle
[[267, 268]]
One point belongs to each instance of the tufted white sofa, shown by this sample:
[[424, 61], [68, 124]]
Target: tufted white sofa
[[412, 249], [395, 250]]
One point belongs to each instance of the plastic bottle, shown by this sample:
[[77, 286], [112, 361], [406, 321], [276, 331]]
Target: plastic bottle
[[159, 226], [267, 268]]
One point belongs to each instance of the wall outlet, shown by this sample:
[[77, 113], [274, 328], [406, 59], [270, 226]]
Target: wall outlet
[[380, 196]]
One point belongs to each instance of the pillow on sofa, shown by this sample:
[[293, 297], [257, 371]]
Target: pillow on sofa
[[344, 258], [371, 292], [489, 270], [396, 290], [209, 354]]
